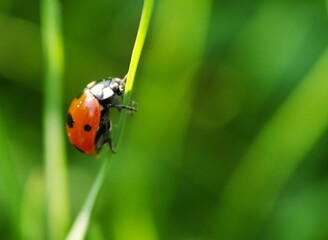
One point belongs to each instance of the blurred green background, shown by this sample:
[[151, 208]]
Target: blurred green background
[[230, 139]]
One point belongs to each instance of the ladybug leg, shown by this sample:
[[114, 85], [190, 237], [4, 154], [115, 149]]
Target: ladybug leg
[[108, 138], [102, 138], [134, 105], [103, 135], [111, 146], [129, 108], [115, 103]]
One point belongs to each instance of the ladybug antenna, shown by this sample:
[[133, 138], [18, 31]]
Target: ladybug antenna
[[125, 78]]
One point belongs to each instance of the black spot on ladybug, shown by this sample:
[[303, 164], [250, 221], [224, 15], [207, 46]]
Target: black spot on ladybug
[[69, 120], [87, 127], [79, 149]]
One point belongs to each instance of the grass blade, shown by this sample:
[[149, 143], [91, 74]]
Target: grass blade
[[8, 173], [54, 155], [137, 49], [270, 161], [81, 223]]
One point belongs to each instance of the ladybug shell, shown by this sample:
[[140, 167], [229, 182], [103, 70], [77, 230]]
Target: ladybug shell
[[82, 123]]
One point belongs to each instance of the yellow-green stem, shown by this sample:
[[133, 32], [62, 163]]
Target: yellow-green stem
[[137, 49], [81, 223]]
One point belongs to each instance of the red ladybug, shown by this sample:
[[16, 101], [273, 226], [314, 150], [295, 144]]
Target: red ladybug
[[88, 124]]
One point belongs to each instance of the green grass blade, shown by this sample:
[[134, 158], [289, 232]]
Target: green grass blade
[[271, 159], [158, 138], [7, 177], [54, 155], [137, 49], [32, 222], [81, 223]]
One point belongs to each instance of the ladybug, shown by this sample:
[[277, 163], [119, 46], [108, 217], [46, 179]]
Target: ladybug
[[88, 124]]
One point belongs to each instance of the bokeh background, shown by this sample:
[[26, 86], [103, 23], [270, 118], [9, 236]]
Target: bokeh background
[[230, 139]]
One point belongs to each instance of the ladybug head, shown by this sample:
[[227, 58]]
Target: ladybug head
[[118, 86]]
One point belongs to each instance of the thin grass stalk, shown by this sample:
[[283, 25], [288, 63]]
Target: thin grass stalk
[[53, 135], [81, 224], [135, 57], [8, 176]]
